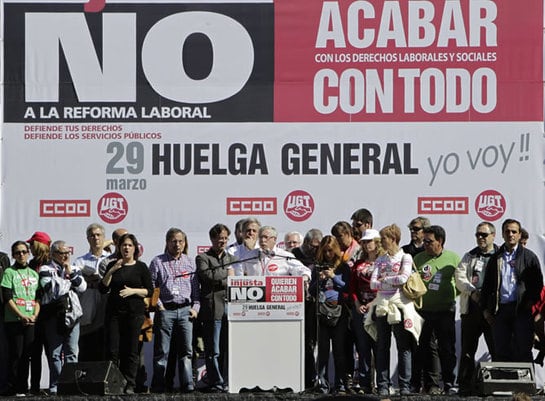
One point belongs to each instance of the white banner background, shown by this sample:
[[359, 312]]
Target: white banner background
[[452, 159]]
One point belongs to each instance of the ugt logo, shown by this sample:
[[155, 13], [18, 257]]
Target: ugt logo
[[298, 205]]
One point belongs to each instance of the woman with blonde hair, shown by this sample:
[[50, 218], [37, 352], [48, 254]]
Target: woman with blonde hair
[[39, 245], [392, 311], [330, 282]]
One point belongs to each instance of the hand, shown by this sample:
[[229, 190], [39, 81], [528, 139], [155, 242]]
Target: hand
[[362, 309], [488, 317], [118, 265], [193, 314], [67, 268], [126, 292]]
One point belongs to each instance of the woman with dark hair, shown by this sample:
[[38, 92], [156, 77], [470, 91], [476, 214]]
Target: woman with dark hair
[[330, 282], [19, 290], [212, 271], [128, 282]]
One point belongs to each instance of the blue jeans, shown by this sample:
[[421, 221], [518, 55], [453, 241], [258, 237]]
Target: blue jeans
[[365, 346], [404, 345], [167, 323], [57, 345], [212, 330]]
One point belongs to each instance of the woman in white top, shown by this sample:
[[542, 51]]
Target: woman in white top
[[393, 311]]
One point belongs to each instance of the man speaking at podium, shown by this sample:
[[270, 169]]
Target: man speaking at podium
[[269, 260]]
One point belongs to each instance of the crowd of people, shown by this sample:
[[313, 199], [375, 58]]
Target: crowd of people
[[99, 306]]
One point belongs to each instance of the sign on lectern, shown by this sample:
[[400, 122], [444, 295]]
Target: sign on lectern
[[266, 332]]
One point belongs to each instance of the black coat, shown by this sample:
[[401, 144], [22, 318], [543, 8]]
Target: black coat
[[528, 275]]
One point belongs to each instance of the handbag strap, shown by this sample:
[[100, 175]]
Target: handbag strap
[[417, 302]]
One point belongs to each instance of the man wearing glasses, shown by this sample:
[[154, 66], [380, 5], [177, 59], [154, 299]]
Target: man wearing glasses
[[469, 276], [416, 228], [58, 308], [436, 266], [512, 284], [93, 302]]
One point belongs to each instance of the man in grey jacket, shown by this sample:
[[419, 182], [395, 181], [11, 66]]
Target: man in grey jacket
[[469, 276]]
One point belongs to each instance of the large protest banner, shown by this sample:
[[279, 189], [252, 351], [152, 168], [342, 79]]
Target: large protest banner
[[148, 114]]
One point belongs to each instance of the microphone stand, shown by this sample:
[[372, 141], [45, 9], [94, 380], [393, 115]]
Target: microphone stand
[[221, 265]]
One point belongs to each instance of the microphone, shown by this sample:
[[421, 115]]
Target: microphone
[[267, 252]]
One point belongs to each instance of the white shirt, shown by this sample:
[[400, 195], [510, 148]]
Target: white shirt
[[276, 262]]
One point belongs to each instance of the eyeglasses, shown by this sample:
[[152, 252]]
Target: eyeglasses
[[63, 253], [17, 253], [482, 235], [415, 229]]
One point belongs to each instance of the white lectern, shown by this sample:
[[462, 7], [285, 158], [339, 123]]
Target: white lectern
[[266, 332]]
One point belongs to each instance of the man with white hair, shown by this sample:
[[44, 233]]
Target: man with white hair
[[292, 240], [269, 260], [93, 303]]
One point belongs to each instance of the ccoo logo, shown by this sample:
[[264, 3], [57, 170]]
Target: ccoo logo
[[298, 205], [112, 207], [490, 205]]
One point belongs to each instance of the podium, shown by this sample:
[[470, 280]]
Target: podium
[[266, 333]]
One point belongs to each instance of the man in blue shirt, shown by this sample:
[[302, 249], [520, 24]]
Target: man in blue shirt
[[173, 272], [512, 284]]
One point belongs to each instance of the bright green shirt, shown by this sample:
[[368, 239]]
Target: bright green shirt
[[438, 275], [23, 282]]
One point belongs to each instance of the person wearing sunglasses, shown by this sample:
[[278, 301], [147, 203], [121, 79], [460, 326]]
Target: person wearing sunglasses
[[512, 285], [436, 266], [20, 293], [416, 229], [469, 277]]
